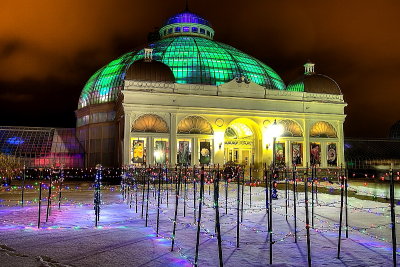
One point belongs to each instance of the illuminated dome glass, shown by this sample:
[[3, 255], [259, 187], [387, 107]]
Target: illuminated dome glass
[[192, 57]]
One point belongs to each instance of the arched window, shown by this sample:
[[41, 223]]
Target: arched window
[[238, 131], [194, 125], [150, 123], [291, 128], [323, 129]]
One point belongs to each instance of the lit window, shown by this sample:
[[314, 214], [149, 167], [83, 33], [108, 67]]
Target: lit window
[[323, 129], [186, 29], [178, 29], [195, 29], [150, 123]]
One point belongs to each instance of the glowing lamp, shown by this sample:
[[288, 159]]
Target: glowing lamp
[[275, 130], [157, 153]]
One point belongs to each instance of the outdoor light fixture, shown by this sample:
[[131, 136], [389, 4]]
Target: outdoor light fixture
[[157, 153], [220, 146], [275, 130]]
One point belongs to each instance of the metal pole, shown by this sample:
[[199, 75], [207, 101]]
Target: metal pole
[[159, 197], [266, 194], [23, 187], [226, 194], [393, 217], [199, 219], [185, 193], [129, 198], [61, 179], [266, 189], [49, 199], [307, 216], [238, 208], [313, 169], [97, 194], [286, 195], [143, 174], [209, 180], [136, 190], [341, 213], [250, 185], [270, 198], [270, 215], [294, 203], [194, 193], [241, 220], [176, 208], [345, 201], [40, 202], [217, 224], [123, 186], [148, 196], [316, 186], [166, 181]]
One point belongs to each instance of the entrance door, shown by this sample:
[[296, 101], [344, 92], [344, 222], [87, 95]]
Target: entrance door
[[245, 157], [239, 140]]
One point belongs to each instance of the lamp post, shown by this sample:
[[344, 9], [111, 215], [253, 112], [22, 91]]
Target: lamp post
[[275, 131]]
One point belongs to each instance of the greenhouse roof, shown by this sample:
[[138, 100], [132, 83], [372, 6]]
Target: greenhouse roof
[[192, 59]]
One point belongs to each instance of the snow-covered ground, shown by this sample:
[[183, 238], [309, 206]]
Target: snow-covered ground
[[69, 238]]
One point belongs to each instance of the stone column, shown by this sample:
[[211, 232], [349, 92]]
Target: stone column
[[306, 149], [324, 155], [195, 151], [340, 146], [288, 155], [127, 136], [150, 150]]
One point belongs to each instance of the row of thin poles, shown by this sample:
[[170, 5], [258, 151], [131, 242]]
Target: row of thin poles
[[49, 197], [269, 196], [145, 178], [239, 176]]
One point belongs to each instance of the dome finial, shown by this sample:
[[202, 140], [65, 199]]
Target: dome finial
[[309, 68]]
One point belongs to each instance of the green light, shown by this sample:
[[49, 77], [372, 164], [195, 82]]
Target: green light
[[192, 59], [297, 86]]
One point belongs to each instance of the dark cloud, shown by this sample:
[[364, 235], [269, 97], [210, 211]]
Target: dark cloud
[[48, 49], [8, 48]]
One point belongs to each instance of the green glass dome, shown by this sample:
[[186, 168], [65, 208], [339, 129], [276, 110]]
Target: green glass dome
[[192, 59]]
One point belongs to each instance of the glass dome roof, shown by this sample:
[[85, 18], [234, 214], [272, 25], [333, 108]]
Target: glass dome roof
[[187, 17], [314, 83], [192, 59]]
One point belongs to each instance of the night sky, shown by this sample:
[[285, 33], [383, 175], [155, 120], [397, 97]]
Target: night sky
[[48, 49]]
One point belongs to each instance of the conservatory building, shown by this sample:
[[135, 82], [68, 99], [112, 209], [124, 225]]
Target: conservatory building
[[187, 99]]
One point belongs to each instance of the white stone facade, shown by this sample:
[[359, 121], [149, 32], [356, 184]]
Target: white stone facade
[[223, 106]]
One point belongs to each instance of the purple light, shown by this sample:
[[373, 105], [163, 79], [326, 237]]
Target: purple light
[[15, 140], [187, 17]]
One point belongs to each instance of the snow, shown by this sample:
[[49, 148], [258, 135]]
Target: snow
[[69, 238]]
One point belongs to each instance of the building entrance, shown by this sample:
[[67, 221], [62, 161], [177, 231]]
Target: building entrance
[[239, 144]]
